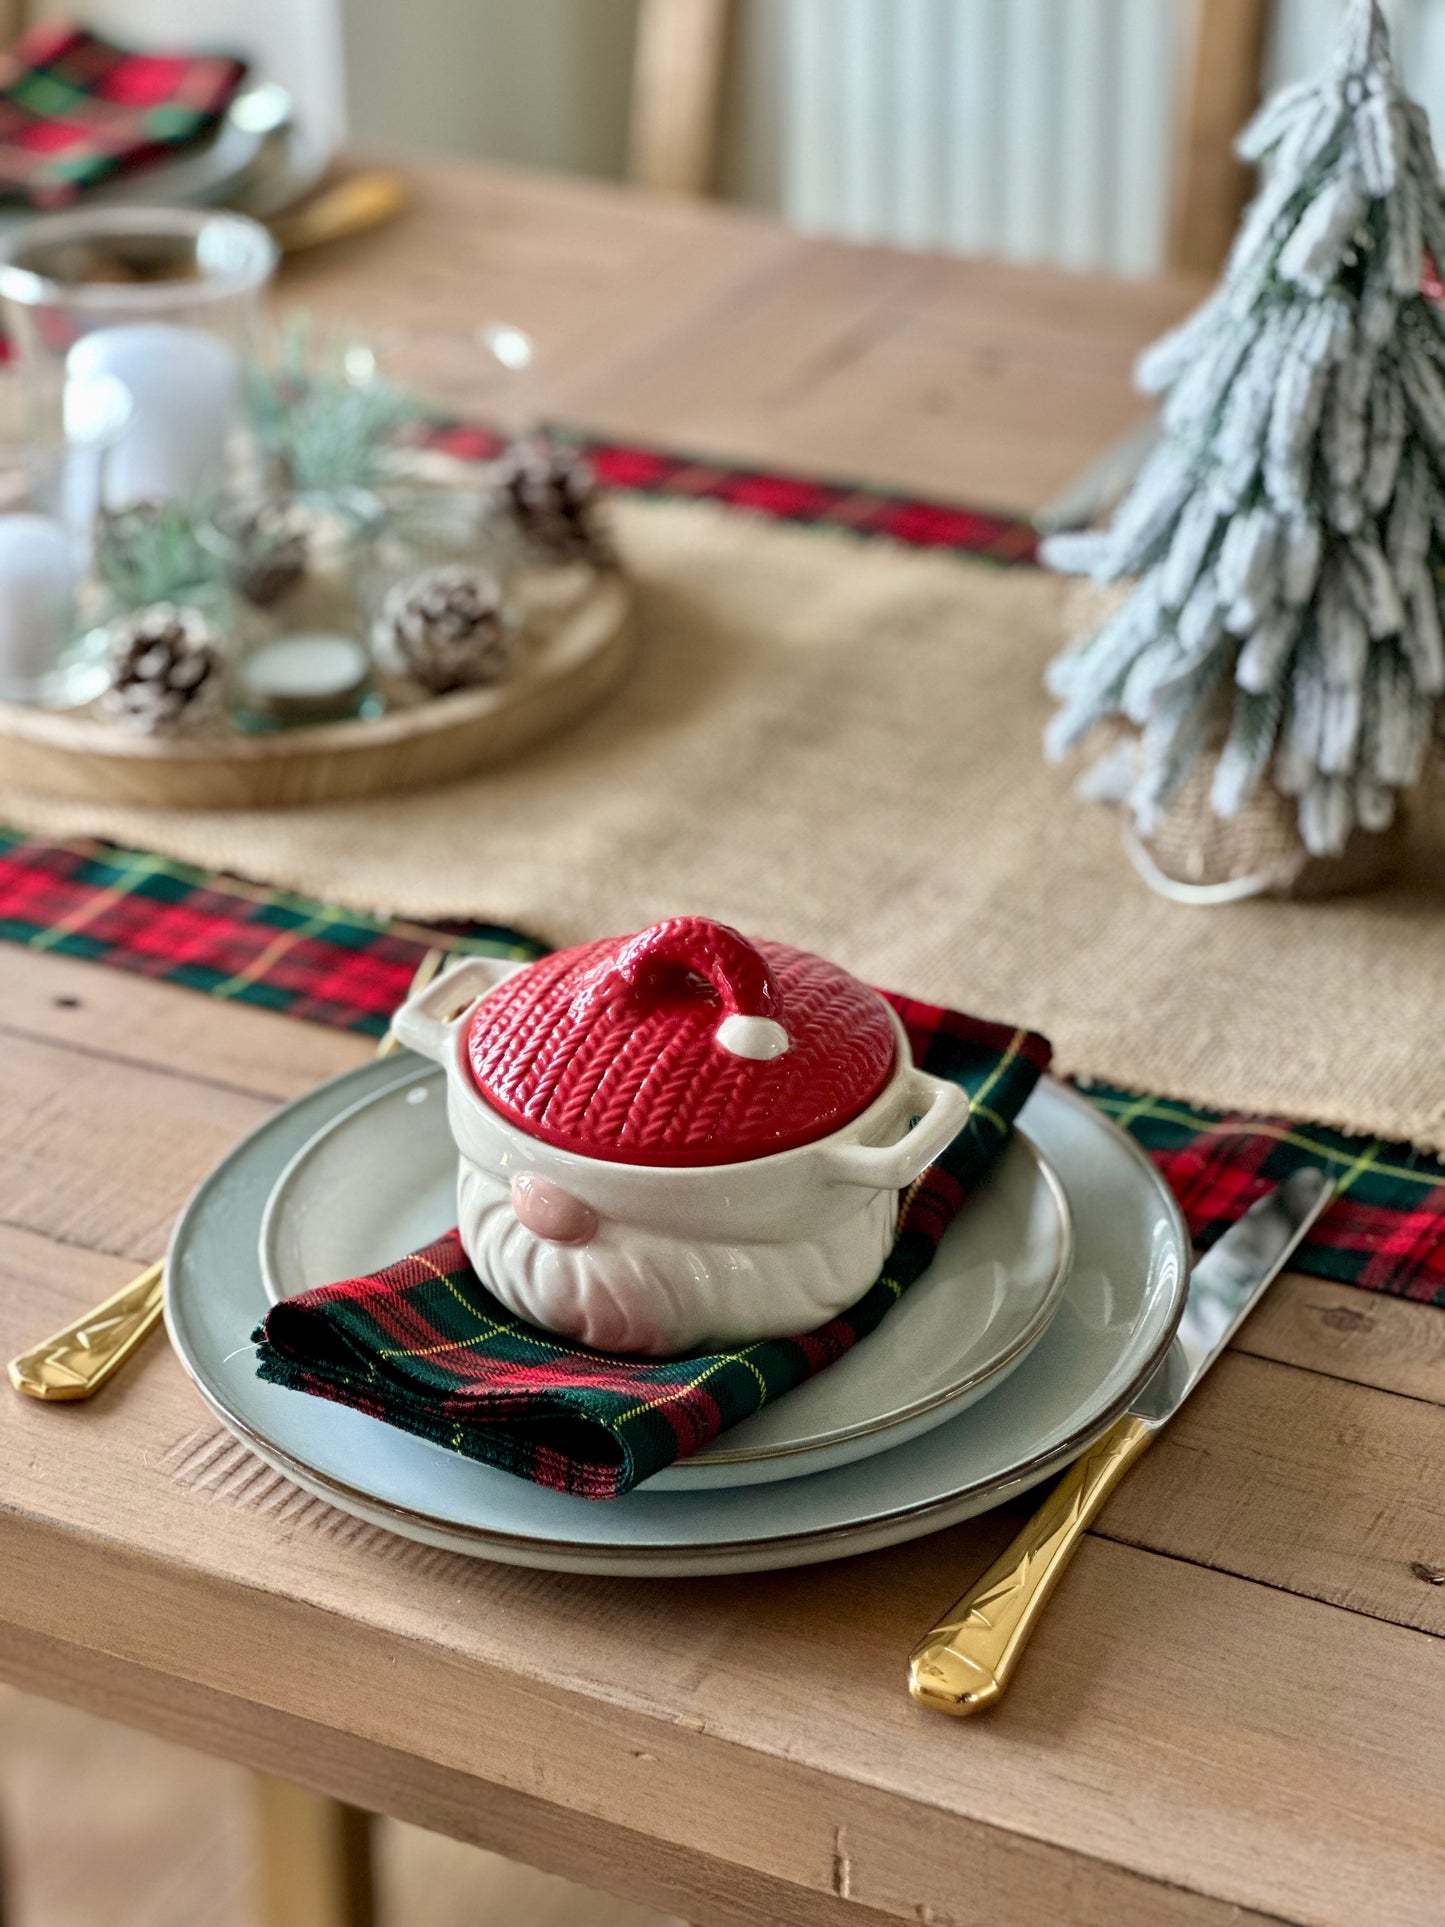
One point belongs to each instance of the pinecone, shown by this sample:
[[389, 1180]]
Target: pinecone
[[269, 554], [553, 497], [448, 628], [167, 670]]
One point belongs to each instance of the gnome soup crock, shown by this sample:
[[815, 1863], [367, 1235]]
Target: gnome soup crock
[[678, 1139]]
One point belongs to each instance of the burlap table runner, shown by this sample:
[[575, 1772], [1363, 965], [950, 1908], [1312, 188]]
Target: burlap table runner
[[835, 742]]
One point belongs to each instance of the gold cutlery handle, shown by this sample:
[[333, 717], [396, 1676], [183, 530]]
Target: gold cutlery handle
[[348, 207], [965, 1663], [78, 1359]]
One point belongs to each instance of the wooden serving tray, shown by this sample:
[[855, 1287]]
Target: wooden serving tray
[[572, 666]]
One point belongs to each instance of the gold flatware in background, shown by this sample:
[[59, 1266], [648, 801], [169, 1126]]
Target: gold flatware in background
[[966, 1661], [430, 964], [78, 1359], [348, 207]]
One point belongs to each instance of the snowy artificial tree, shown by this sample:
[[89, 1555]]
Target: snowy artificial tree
[[1285, 543]]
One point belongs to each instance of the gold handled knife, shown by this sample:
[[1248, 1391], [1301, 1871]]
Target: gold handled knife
[[79, 1358], [965, 1663]]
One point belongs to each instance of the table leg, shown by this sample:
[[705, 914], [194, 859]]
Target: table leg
[[314, 1858]]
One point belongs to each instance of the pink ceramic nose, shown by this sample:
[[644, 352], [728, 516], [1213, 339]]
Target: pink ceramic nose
[[550, 1212]]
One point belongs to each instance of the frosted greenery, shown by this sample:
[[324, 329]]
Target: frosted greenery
[[1286, 540], [327, 421]]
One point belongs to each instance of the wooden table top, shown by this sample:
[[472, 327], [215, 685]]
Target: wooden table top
[[1232, 1711]]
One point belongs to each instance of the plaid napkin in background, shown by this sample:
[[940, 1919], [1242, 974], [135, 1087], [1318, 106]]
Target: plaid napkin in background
[[425, 1346], [75, 109]]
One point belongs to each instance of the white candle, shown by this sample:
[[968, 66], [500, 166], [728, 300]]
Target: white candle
[[185, 387], [37, 594], [97, 412], [306, 678]]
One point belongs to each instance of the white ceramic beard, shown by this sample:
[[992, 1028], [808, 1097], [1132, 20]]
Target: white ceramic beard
[[629, 1289]]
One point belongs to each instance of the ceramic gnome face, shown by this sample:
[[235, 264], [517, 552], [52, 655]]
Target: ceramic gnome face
[[680, 1138], [622, 1287]]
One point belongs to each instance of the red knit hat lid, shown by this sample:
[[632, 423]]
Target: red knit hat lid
[[687, 1044]]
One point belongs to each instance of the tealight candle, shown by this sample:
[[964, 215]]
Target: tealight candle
[[306, 679], [37, 595], [185, 386]]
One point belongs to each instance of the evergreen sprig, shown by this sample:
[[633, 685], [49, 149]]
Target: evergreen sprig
[[327, 421], [153, 552]]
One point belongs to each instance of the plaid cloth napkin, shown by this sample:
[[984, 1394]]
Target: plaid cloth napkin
[[75, 109], [425, 1346]]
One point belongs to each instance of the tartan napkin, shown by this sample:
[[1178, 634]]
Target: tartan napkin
[[425, 1346], [75, 109]]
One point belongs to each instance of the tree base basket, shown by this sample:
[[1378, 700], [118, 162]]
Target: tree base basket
[[1199, 858]]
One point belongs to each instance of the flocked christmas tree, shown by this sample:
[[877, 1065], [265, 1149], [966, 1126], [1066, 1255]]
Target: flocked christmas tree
[[1285, 543]]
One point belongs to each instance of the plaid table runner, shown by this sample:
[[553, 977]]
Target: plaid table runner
[[143, 913], [425, 1346], [75, 109], [911, 520]]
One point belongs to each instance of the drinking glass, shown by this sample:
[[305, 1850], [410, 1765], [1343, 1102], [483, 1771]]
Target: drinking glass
[[163, 300]]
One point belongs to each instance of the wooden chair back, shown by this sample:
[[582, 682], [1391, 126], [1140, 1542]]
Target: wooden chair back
[[1221, 88], [677, 81]]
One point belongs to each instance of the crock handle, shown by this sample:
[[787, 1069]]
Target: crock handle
[[942, 1111], [698, 947], [429, 1021], [736, 969]]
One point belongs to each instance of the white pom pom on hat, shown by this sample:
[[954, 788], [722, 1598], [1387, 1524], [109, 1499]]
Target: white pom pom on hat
[[756, 1037]]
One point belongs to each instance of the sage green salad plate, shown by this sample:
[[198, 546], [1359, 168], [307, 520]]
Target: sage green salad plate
[[973, 1317]]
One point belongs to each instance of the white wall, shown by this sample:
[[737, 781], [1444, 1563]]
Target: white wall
[[540, 81]]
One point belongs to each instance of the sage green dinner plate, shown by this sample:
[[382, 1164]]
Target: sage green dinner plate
[[1117, 1316]]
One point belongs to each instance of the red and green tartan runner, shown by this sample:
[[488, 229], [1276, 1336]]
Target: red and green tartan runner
[[425, 1346], [143, 913], [76, 109], [851, 508]]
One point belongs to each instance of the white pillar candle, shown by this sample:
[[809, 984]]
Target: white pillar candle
[[185, 387], [97, 412], [37, 598]]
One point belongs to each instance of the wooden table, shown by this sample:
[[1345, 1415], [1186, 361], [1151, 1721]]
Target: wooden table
[[1233, 1710]]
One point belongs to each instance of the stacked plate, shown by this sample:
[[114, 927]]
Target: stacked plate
[[259, 160], [1052, 1298]]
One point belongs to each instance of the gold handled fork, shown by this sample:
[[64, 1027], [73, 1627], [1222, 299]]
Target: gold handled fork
[[78, 1359]]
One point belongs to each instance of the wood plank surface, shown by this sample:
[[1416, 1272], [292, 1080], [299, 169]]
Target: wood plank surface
[[1176, 1490], [703, 327], [1227, 1715], [128, 1019], [960, 379], [170, 1842]]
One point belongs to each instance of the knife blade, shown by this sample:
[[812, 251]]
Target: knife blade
[[1099, 485], [1226, 1282], [965, 1662]]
